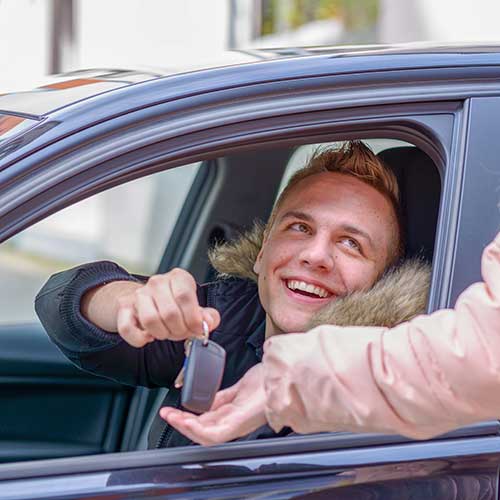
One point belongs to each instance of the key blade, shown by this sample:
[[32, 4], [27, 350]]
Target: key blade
[[179, 380], [206, 331]]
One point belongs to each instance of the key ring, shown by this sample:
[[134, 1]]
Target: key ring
[[205, 332]]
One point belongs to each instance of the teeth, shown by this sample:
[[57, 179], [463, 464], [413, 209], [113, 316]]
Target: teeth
[[307, 287]]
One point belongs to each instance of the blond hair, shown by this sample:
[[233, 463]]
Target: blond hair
[[358, 160]]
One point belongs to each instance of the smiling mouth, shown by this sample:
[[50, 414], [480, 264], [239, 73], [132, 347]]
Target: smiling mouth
[[307, 289]]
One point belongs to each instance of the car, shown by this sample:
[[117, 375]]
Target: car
[[185, 160]]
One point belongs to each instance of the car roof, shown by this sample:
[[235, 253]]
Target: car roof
[[66, 89]]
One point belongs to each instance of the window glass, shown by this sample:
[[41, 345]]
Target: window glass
[[303, 154], [130, 224]]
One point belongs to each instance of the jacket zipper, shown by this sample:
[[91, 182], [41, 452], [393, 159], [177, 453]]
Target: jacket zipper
[[167, 430]]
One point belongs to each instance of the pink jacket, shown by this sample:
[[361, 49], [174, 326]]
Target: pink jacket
[[419, 379]]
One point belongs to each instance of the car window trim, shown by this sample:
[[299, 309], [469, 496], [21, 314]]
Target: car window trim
[[481, 433]]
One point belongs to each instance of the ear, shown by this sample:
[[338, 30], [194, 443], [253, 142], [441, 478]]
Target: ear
[[258, 261]]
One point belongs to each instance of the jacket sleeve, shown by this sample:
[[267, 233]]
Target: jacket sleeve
[[95, 350], [422, 378]]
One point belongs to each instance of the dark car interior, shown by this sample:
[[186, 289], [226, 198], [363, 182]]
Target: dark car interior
[[80, 414]]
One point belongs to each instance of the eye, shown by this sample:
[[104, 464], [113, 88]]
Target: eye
[[300, 227], [350, 243]]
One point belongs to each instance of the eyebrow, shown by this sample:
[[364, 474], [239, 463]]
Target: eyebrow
[[296, 214], [348, 228]]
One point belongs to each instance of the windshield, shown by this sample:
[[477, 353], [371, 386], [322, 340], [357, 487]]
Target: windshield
[[11, 125]]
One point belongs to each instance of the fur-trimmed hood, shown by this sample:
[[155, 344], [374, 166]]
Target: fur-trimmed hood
[[399, 295]]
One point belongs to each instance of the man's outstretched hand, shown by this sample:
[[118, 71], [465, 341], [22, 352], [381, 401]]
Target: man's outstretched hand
[[165, 308], [236, 411]]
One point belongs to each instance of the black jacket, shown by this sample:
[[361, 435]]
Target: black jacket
[[241, 332]]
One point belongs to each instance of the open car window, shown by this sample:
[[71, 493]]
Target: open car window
[[134, 225]]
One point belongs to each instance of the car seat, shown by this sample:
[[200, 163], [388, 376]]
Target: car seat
[[420, 188]]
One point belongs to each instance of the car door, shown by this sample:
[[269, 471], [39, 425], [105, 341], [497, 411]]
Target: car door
[[461, 464], [50, 408]]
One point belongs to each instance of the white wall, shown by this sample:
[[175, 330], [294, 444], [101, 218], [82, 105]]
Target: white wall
[[24, 43], [154, 33], [439, 20]]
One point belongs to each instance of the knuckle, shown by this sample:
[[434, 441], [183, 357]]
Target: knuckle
[[184, 297], [149, 320], [178, 274], [170, 314], [157, 280], [193, 322]]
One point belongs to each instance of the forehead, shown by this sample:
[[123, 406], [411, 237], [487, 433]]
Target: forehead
[[333, 190]]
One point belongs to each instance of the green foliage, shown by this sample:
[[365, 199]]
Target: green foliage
[[355, 14]]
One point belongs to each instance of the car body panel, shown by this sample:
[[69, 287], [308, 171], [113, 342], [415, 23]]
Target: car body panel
[[442, 99], [429, 470]]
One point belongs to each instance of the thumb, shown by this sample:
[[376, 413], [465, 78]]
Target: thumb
[[212, 317]]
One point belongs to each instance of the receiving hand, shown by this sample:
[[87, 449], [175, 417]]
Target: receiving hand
[[236, 412], [166, 307]]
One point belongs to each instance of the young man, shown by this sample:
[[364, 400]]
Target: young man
[[334, 230]]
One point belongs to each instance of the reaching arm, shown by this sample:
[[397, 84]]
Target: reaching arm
[[421, 378], [83, 308]]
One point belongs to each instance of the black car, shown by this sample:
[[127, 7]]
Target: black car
[[432, 113]]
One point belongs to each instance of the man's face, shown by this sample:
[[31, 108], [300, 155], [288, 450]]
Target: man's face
[[332, 235]]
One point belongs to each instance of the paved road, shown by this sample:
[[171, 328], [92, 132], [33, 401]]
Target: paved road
[[17, 291]]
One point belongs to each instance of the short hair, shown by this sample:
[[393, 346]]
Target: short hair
[[358, 160]]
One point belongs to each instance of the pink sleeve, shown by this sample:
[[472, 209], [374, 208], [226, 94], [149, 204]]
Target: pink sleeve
[[419, 379]]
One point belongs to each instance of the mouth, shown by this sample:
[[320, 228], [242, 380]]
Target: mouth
[[307, 291]]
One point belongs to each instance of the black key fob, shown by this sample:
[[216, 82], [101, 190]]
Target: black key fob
[[204, 367]]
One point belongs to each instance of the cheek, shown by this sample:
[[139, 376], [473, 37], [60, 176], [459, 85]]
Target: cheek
[[275, 257], [355, 274]]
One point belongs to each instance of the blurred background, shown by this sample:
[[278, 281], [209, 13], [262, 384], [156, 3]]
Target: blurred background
[[42, 37], [132, 223]]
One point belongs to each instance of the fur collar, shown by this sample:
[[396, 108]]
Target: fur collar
[[399, 295]]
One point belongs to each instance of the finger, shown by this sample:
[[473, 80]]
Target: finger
[[183, 290], [168, 310], [212, 317], [165, 411], [191, 427], [210, 418], [177, 418], [129, 329], [149, 316]]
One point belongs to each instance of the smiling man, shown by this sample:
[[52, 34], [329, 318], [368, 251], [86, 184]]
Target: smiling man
[[334, 230]]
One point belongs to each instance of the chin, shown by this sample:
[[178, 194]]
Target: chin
[[295, 327]]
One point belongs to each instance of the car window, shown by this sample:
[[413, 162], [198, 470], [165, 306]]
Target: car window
[[130, 224]]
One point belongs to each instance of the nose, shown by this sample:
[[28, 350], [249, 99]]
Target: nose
[[317, 253]]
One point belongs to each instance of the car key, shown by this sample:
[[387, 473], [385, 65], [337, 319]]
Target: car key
[[203, 370], [179, 380]]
